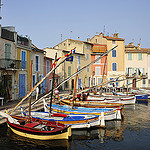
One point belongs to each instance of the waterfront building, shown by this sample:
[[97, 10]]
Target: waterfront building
[[37, 57], [115, 59], [23, 54], [137, 64], [8, 62], [48, 81], [81, 58], [59, 72], [99, 68]]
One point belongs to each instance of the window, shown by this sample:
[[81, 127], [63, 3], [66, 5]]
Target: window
[[97, 62], [99, 81], [129, 56], [89, 81], [79, 83], [87, 69], [113, 42], [78, 68], [87, 46], [33, 81], [79, 59], [97, 70], [47, 66], [69, 70], [87, 56], [50, 84], [23, 59], [128, 82], [117, 82], [93, 81], [110, 80], [114, 53], [114, 66], [139, 56], [144, 83], [143, 71], [7, 51], [96, 40], [67, 84], [36, 63]]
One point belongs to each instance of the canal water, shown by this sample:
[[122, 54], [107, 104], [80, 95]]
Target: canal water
[[133, 132]]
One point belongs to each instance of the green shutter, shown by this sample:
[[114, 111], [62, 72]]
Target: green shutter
[[129, 56], [69, 70], [7, 51], [139, 56]]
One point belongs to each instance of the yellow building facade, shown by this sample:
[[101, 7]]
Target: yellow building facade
[[82, 57], [115, 59]]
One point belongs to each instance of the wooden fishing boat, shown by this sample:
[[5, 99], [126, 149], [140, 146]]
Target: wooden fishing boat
[[37, 128], [75, 121], [92, 104], [113, 99], [140, 95], [109, 113]]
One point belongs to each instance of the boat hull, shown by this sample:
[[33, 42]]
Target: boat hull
[[115, 99], [108, 115], [28, 132], [75, 121]]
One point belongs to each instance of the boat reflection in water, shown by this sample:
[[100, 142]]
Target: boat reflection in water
[[21, 142], [113, 131]]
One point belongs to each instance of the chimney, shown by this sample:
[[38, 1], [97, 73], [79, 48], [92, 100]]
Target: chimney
[[88, 40], [139, 46], [131, 44], [116, 35]]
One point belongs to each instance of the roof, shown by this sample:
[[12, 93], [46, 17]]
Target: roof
[[113, 38], [141, 50], [73, 40]]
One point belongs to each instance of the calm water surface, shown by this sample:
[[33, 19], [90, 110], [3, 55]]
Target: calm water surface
[[133, 132]]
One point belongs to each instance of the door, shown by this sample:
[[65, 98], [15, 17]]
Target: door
[[79, 83], [134, 83], [21, 85], [72, 84]]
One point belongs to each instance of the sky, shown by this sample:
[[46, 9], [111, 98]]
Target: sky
[[48, 22]]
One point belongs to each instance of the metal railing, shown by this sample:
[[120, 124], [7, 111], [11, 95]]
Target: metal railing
[[12, 64]]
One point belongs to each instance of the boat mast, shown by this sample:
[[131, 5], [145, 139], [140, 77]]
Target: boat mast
[[103, 75], [30, 90], [74, 89], [52, 88]]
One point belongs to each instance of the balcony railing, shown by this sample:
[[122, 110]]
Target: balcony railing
[[12, 64]]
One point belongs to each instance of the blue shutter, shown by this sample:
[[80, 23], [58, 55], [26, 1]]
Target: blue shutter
[[21, 85], [114, 67]]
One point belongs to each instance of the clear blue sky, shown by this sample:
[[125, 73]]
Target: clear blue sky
[[45, 20]]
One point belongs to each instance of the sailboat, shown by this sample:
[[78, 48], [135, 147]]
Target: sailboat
[[37, 128]]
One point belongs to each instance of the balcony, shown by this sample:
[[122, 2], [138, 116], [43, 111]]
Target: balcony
[[12, 64]]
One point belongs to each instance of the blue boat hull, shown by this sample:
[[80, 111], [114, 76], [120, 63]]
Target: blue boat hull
[[141, 97]]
